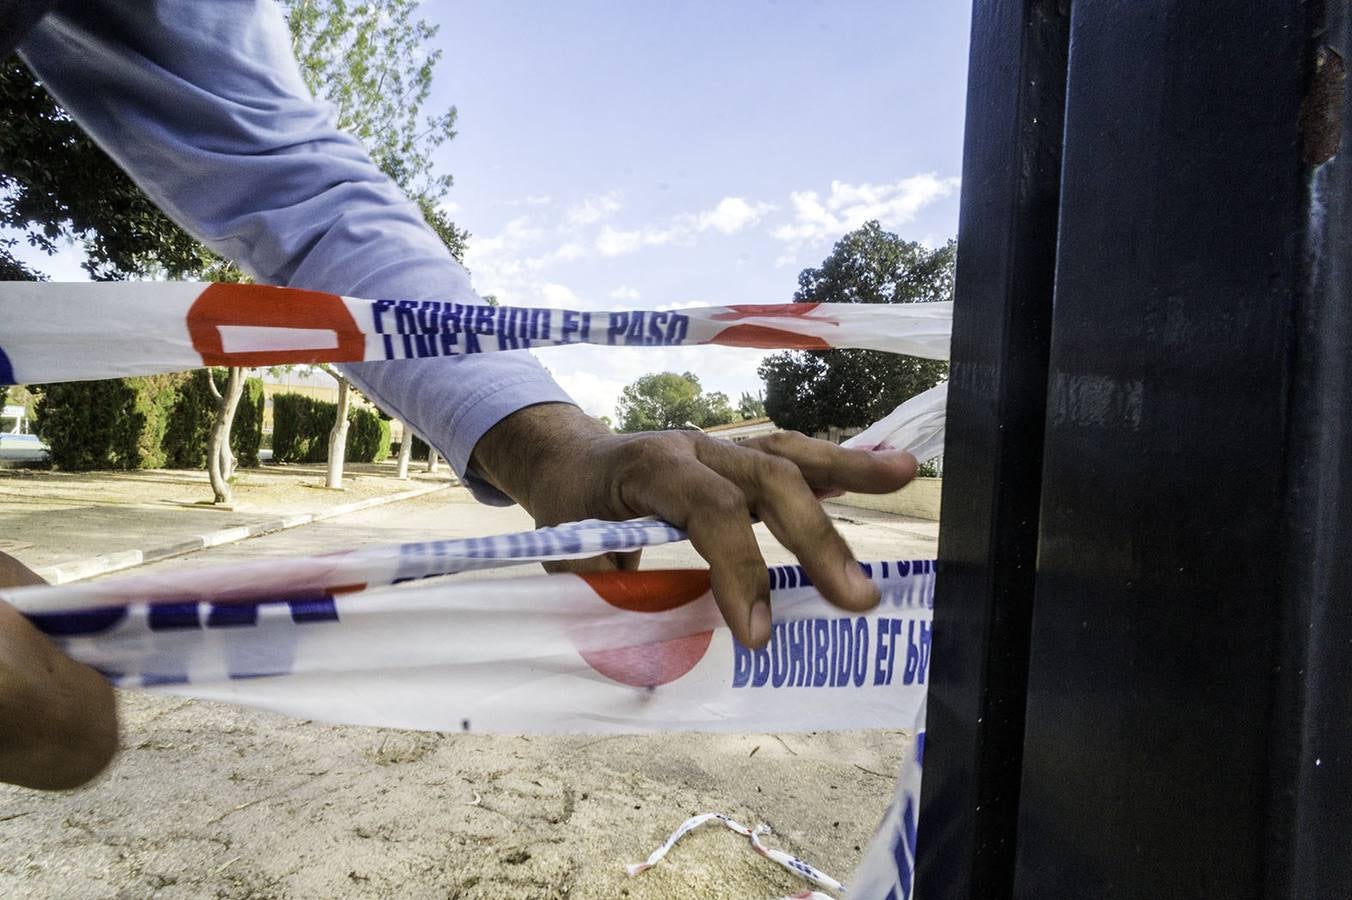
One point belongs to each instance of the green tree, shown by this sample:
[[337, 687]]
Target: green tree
[[813, 390], [118, 423], [751, 406], [370, 60], [666, 400]]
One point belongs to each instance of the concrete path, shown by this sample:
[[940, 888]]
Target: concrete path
[[72, 525]]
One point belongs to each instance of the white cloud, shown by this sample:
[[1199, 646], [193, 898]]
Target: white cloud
[[564, 253], [731, 215], [508, 264], [851, 205], [624, 292], [594, 209], [615, 243], [535, 200], [612, 242], [558, 295], [596, 394]]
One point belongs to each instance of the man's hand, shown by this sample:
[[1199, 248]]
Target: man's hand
[[562, 465]]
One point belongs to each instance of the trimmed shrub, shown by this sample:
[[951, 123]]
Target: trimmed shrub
[[194, 415], [368, 436], [114, 424], [246, 434], [189, 426], [301, 426]]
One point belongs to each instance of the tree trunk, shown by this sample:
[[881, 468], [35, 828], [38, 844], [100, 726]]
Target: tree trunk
[[433, 459], [220, 462], [405, 452], [338, 437]]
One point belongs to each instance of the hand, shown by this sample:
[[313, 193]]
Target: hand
[[58, 718], [562, 465]]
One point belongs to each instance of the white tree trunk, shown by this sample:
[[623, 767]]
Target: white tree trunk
[[433, 459], [220, 462], [227, 457], [338, 437], [405, 452]]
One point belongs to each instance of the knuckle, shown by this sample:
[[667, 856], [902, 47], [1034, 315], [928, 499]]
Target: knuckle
[[778, 470], [783, 441], [727, 503], [645, 454]]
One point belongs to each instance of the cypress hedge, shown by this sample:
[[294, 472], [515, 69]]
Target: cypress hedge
[[118, 423], [301, 425]]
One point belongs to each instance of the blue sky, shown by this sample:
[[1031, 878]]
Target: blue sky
[[665, 154], [678, 153]]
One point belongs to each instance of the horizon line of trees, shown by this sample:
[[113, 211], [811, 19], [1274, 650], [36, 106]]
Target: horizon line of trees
[[814, 391]]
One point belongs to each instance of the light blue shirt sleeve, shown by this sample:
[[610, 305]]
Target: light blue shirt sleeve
[[203, 105]]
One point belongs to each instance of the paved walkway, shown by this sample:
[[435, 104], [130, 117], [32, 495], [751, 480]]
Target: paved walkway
[[76, 524]]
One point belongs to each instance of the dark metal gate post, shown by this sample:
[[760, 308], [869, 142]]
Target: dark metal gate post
[[996, 406], [1188, 719]]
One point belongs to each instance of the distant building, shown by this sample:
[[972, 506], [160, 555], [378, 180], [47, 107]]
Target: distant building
[[741, 431]]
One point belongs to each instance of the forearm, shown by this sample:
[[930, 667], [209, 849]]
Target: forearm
[[204, 107], [534, 451]]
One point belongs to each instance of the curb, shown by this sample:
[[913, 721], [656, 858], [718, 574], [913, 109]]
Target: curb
[[79, 569]]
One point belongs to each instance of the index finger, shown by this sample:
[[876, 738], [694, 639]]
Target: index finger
[[828, 466]]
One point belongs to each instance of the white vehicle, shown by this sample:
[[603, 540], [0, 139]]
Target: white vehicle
[[16, 441]]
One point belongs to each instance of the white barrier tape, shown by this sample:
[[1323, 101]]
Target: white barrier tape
[[787, 860], [916, 426], [607, 652], [887, 871], [301, 577], [69, 332]]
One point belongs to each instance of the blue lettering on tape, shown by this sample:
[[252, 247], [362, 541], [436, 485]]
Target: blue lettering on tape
[[83, 622], [173, 616], [741, 665], [826, 653]]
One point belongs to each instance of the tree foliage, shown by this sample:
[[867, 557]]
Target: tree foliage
[[751, 406], [113, 424], [57, 185], [813, 390], [301, 427], [666, 400], [369, 60], [372, 63]]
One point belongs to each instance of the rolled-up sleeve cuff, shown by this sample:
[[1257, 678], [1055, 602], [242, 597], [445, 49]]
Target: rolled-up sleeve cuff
[[480, 412], [452, 402]]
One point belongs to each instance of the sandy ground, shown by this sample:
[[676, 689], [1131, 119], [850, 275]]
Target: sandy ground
[[208, 800]]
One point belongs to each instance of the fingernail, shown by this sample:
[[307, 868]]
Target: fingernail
[[760, 623]]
